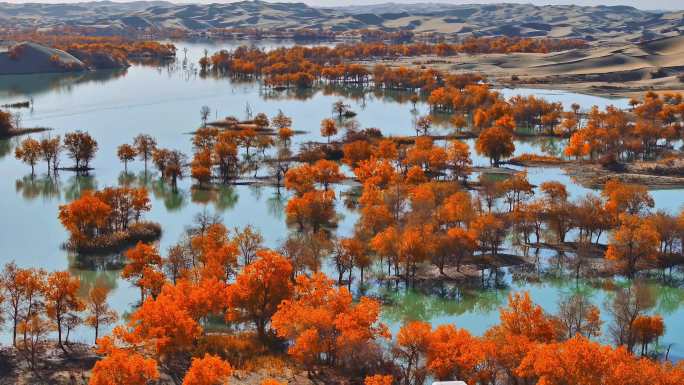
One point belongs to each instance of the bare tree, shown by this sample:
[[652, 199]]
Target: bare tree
[[205, 111], [577, 315], [628, 304], [16, 120]]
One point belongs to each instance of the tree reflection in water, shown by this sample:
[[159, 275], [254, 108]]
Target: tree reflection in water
[[412, 304], [223, 197], [174, 200], [45, 187]]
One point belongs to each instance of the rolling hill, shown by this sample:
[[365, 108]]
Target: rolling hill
[[557, 21]]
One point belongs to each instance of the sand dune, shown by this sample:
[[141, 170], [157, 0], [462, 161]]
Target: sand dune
[[665, 46], [599, 23], [35, 58], [618, 68], [594, 64]]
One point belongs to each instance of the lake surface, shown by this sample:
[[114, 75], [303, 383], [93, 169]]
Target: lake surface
[[114, 106]]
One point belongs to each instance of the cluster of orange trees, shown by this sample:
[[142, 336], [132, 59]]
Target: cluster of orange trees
[[129, 47], [616, 135], [313, 205], [108, 219], [223, 151], [414, 209], [301, 66], [220, 274], [477, 104], [613, 135], [37, 303], [217, 147], [171, 164], [79, 146], [526, 347]]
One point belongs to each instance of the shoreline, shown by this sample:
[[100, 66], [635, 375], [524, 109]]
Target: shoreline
[[24, 131]]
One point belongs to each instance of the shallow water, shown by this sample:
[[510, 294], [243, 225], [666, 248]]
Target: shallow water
[[114, 106]]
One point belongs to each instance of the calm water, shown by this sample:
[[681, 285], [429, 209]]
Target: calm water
[[165, 103]]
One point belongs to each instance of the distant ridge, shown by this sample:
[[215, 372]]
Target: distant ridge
[[554, 21]]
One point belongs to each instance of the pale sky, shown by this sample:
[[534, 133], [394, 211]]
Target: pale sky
[[650, 4]]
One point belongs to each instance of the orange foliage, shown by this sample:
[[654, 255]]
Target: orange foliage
[[29, 152], [109, 212], [208, 370], [314, 209], [122, 367], [259, 289], [378, 379], [452, 353], [323, 323], [143, 260], [495, 143], [61, 299], [164, 326], [523, 317], [217, 254], [634, 241]]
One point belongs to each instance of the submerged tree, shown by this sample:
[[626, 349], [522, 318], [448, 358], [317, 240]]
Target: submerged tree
[[125, 153], [81, 147], [144, 146], [29, 152]]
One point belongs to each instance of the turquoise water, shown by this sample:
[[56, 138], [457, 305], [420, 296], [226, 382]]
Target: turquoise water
[[165, 101]]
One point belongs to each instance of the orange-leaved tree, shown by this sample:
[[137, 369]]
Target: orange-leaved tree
[[29, 152], [142, 261], [495, 143], [575, 361], [99, 312], [217, 254], [259, 289], [163, 326], [324, 325], [61, 299], [412, 345], [635, 240], [452, 353]]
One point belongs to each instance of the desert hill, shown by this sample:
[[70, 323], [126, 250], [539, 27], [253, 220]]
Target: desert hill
[[28, 58], [559, 21], [616, 68]]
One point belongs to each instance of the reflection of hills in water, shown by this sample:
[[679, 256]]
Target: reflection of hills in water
[[19, 85]]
